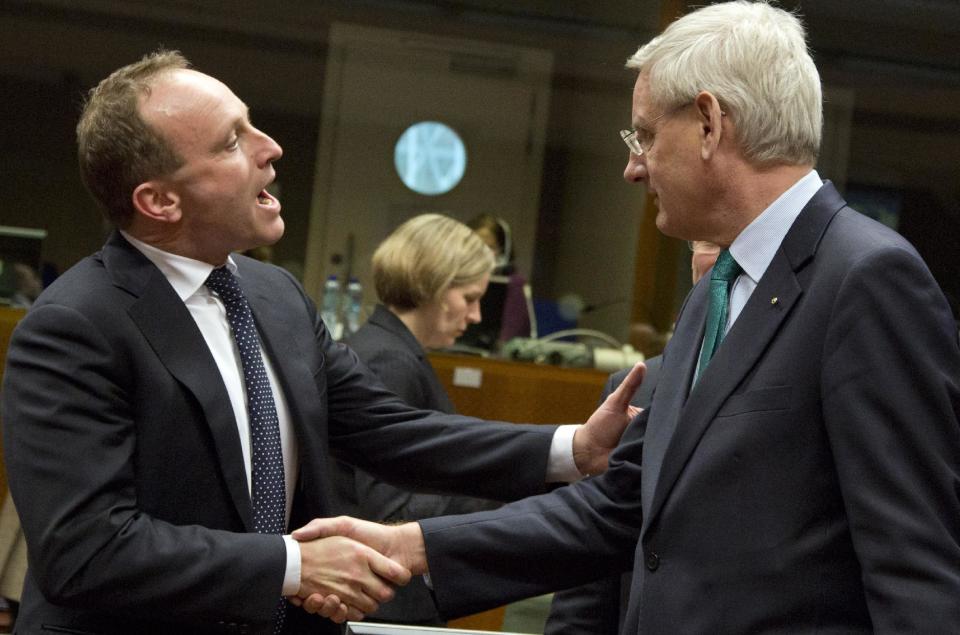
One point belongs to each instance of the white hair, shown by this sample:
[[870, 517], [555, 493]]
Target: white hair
[[753, 58]]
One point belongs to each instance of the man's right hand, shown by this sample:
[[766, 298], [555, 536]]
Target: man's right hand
[[401, 544], [352, 578]]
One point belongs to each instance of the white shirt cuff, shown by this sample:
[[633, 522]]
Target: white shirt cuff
[[291, 579], [561, 467]]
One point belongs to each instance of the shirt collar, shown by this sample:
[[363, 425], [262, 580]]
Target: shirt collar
[[186, 275], [758, 243]]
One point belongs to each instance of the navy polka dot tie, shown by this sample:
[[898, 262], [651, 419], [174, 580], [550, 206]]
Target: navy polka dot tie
[[269, 493]]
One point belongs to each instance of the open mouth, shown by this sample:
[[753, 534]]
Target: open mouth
[[266, 198]]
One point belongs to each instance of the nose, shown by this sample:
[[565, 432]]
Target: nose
[[473, 314], [636, 170], [268, 150]]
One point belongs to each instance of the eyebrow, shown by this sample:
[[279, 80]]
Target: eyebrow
[[244, 116], [643, 123]]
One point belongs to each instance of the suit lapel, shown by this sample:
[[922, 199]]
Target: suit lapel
[[170, 330], [283, 346], [743, 345], [676, 370], [687, 418]]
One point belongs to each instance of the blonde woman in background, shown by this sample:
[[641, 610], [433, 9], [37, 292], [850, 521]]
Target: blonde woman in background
[[430, 274]]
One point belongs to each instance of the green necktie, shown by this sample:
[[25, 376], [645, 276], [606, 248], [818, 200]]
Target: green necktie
[[725, 271]]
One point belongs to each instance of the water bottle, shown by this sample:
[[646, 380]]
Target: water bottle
[[353, 306], [329, 310]]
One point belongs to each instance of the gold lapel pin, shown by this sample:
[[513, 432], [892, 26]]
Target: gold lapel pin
[[774, 300]]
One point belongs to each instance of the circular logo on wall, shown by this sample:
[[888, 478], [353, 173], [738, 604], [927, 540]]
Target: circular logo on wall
[[430, 158]]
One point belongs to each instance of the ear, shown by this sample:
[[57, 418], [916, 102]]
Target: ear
[[710, 116], [155, 201]]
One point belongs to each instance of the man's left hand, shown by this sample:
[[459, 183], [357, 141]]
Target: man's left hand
[[594, 440]]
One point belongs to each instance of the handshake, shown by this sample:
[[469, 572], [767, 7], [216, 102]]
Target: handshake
[[349, 566]]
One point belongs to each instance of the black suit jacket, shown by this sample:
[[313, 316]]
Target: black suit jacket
[[809, 481], [599, 608], [390, 350], [125, 463]]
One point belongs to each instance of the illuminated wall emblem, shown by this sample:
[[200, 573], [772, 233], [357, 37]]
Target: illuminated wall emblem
[[430, 158]]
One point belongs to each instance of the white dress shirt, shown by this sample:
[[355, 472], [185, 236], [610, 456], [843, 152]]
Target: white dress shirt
[[758, 243]]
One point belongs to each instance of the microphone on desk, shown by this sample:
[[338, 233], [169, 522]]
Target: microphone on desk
[[571, 306]]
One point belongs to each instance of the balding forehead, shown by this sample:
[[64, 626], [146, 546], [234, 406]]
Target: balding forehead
[[182, 90]]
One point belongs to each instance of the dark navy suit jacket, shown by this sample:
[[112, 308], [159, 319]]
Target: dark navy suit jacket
[[125, 464], [809, 481]]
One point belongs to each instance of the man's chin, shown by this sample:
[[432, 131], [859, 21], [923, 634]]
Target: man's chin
[[663, 223], [274, 233]]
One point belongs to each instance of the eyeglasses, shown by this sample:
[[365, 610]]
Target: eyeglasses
[[640, 141]]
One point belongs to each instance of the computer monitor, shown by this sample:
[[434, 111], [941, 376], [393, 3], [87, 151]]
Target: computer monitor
[[485, 335], [19, 247]]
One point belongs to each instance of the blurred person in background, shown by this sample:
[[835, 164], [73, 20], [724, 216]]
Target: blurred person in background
[[430, 274], [495, 232]]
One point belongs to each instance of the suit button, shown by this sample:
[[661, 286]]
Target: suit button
[[652, 562]]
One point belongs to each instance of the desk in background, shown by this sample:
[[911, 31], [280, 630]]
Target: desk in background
[[13, 546], [520, 392], [8, 320]]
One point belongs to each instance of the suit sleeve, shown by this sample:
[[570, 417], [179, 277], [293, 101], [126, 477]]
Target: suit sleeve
[[572, 535], [403, 374], [890, 403], [71, 441], [371, 428]]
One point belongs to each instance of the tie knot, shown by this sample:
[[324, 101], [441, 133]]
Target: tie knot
[[224, 283], [726, 268]]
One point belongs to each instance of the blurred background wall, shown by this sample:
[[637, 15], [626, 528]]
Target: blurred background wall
[[891, 69]]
